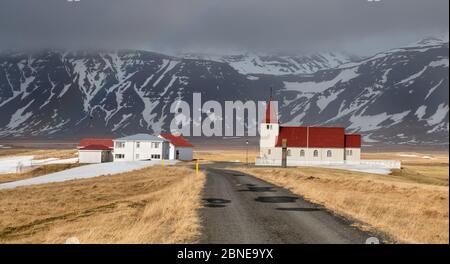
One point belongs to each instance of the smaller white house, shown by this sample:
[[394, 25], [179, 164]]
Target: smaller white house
[[140, 147], [179, 147], [95, 150]]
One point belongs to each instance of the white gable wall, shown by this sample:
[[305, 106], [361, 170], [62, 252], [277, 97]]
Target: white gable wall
[[94, 156], [353, 154], [337, 154], [184, 153]]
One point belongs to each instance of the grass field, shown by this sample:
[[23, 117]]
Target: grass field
[[226, 155], [160, 206], [152, 205], [411, 205], [39, 153]]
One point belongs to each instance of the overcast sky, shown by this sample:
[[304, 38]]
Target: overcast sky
[[221, 26]]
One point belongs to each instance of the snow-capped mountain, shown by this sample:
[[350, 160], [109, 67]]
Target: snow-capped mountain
[[397, 96], [53, 93], [249, 64]]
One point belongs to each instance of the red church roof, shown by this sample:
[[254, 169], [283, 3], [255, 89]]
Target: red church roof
[[178, 141], [326, 137], [352, 141], [316, 137], [107, 142]]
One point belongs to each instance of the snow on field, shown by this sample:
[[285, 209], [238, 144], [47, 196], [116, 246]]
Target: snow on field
[[415, 156], [19, 163], [55, 161], [10, 165], [83, 172], [359, 168]]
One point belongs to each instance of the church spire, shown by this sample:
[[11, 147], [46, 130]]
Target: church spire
[[271, 115]]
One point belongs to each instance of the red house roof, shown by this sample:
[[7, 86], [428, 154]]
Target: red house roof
[[315, 137], [107, 142], [95, 147], [178, 141], [353, 141]]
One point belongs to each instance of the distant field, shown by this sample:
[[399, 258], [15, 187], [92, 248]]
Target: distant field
[[39, 153], [411, 205], [226, 155], [152, 205]]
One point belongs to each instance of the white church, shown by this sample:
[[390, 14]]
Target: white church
[[303, 145]]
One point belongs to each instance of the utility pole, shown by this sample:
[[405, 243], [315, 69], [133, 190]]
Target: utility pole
[[284, 152], [246, 152]]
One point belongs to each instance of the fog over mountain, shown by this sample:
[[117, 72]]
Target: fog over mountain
[[360, 27], [106, 67]]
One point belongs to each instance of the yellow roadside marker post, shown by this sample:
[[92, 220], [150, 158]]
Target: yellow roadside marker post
[[196, 167], [162, 163]]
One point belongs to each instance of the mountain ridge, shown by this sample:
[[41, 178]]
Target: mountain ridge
[[58, 94]]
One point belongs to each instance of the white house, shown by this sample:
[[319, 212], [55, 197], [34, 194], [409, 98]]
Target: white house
[[179, 147], [95, 150], [305, 145], [140, 147]]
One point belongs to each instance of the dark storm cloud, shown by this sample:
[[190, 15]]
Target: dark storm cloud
[[220, 25]]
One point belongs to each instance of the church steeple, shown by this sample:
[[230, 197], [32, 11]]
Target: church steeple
[[271, 115]]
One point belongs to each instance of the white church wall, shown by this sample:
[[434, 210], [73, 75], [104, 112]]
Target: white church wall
[[352, 154]]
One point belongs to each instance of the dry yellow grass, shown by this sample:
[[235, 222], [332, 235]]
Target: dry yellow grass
[[40, 153], [409, 212], [41, 170], [226, 155], [411, 204], [152, 205]]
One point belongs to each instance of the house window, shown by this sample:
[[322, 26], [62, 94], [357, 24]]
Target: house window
[[156, 156], [119, 156], [155, 145], [316, 153], [269, 151], [349, 152], [302, 153], [268, 127], [137, 156], [329, 153], [138, 144], [289, 152], [120, 144]]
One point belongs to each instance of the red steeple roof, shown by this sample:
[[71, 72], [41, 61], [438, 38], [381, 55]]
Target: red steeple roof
[[271, 115]]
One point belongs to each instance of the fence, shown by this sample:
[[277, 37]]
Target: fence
[[390, 164]]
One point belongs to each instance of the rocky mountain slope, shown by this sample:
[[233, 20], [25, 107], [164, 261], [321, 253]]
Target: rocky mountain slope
[[398, 96]]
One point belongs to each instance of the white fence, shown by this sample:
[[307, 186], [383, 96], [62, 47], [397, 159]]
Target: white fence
[[390, 164]]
